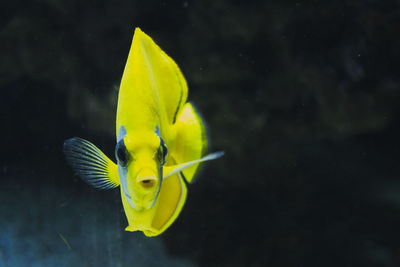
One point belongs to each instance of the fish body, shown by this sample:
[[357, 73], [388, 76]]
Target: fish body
[[161, 141]]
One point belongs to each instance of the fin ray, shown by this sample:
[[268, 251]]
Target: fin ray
[[90, 163], [170, 170], [94, 151]]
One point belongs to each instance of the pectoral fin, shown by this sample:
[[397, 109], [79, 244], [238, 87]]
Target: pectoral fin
[[91, 164]]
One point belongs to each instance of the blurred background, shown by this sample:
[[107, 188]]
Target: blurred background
[[303, 96]]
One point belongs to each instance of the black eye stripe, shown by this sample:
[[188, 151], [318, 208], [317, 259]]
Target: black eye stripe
[[163, 147], [121, 153], [164, 150]]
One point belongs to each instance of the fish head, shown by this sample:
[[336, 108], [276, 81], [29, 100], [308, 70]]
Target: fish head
[[140, 158]]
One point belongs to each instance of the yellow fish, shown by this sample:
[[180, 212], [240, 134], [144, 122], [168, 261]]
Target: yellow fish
[[161, 141]]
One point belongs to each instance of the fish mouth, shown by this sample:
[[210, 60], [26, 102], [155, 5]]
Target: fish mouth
[[148, 184], [146, 179]]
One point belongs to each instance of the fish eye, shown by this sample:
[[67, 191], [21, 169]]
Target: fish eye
[[162, 152], [160, 155], [121, 153], [164, 149]]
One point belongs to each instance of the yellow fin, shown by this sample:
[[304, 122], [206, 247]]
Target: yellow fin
[[169, 204], [171, 201], [191, 142], [91, 164], [152, 85]]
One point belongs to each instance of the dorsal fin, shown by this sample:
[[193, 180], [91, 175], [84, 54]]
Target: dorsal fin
[[150, 72]]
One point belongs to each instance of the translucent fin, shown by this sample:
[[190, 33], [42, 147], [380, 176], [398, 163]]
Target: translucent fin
[[91, 164], [170, 170], [191, 141]]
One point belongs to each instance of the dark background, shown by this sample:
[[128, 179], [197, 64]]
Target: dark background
[[303, 96]]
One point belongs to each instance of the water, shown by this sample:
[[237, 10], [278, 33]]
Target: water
[[302, 97]]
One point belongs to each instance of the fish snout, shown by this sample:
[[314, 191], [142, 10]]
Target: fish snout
[[147, 179]]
